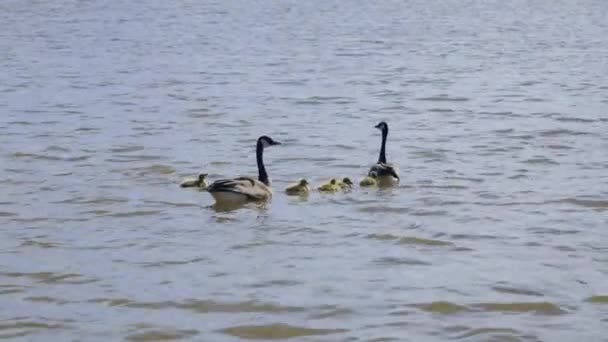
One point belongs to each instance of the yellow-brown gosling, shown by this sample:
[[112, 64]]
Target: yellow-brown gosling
[[301, 188], [346, 183], [199, 182], [331, 186], [369, 181]]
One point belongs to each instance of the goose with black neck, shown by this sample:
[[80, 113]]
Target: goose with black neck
[[246, 189], [384, 173]]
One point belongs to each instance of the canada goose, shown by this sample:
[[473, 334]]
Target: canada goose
[[368, 181], [385, 173], [243, 189], [301, 188], [331, 186], [199, 182], [346, 183]]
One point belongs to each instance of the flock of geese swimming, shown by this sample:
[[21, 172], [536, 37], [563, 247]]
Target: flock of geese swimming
[[246, 189]]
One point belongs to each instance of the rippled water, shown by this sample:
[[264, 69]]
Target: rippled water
[[498, 114]]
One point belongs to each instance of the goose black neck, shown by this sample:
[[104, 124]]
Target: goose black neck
[[382, 158], [259, 154]]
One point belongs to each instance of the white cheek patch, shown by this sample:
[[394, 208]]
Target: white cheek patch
[[265, 143]]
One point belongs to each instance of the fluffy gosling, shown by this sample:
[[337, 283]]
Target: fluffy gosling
[[199, 182], [298, 189]]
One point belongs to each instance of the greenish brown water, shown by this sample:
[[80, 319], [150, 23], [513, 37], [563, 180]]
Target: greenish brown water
[[498, 119]]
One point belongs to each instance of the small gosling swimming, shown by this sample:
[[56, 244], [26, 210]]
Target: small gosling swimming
[[199, 182], [300, 188], [369, 181], [346, 183], [331, 186]]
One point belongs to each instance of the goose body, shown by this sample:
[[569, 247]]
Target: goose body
[[199, 182], [331, 186], [245, 189], [240, 189], [300, 188], [384, 173]]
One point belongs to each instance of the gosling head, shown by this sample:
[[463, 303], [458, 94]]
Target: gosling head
[[202, 177], [347, 181], [303, 182], [332, 181], [383, 126], [267, 141]]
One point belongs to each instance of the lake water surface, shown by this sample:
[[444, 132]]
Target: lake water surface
[[498, 114]]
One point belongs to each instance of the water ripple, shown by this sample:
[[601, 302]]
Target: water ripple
[[51, 277], [146, 332], [276, 331], [20, 327]]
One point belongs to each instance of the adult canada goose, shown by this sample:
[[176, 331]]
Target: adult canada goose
[[346, 183], [243, 189], [300, 188], [199, 182], [369, 181], [385, 173], [331, 186]]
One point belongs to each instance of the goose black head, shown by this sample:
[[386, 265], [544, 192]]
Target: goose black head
[[383, 126], [267, 141]]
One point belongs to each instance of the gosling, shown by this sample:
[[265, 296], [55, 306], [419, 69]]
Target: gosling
[[199, 182], [299, 189], [346, 183], [331, 186], [369, 181]]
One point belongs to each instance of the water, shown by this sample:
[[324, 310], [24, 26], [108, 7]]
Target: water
[[498, 118]]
